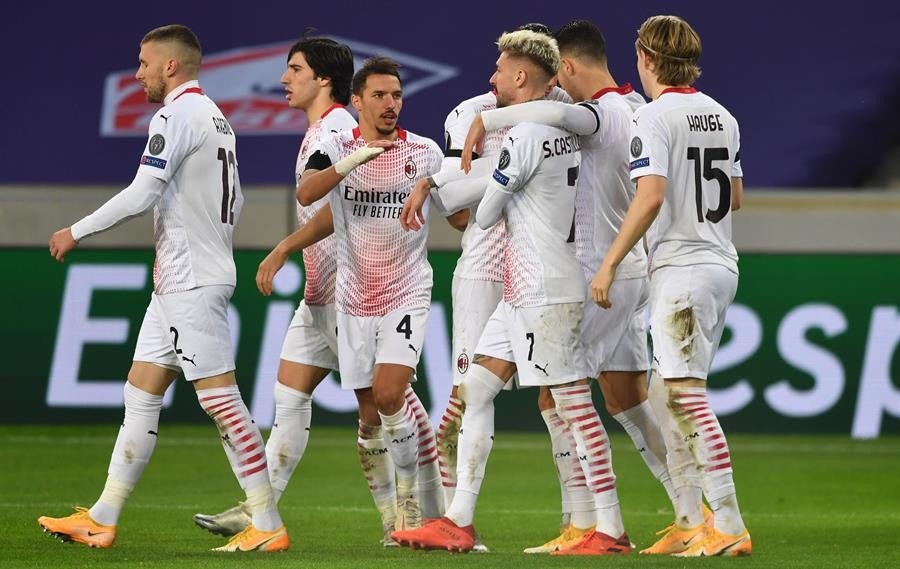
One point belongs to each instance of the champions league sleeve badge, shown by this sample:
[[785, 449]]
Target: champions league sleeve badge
[[157, 144]]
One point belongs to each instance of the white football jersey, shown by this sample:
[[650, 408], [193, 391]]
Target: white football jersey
[[320, 259], [481, 257], [538, 165], [694, 142], [381, 267], [481, 249], [192, 148], [605, 189]]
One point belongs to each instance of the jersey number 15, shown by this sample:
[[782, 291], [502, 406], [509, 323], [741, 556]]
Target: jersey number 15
[[709, 155]]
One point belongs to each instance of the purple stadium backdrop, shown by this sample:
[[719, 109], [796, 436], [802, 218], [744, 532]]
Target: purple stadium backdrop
[[814, 86]]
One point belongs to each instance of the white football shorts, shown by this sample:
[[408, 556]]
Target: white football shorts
[[687, 317], [311, 338], [188, 331], [543, 341], [473, 303], [365, 341], [615, 339]]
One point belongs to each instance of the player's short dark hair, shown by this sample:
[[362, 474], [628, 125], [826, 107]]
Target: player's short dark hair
[[328, 59], [581, 38], [537, 27], [175, 33], [374, 66]]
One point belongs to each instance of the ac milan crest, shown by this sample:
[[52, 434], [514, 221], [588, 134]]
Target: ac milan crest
[[410, 169], [462, 363]]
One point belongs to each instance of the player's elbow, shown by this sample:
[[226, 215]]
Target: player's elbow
[[485, 220], [304, 196], [737, 193]]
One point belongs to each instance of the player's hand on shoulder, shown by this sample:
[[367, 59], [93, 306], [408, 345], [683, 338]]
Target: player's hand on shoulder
[[61, 243], [268, 268]]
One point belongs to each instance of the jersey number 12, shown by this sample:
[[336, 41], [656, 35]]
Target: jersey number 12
[[228, 191]]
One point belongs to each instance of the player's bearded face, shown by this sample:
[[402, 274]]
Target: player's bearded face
[[380, 103], [150, 73], [503, 81]]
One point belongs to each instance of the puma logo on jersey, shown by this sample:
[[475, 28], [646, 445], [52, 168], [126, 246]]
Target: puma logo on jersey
[[512, 141], [413, 348], [458, 112], [164, 117], [543, 369], [190, 359]]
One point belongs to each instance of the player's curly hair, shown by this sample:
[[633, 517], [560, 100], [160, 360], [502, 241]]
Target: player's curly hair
[[540, 49], [674, 48]]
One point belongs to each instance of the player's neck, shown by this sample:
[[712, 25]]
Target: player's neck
[[174, 83], [318, 108], [370, 133], [528, 94]]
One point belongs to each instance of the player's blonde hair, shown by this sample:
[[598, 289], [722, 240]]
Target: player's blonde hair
[[673, 46], [540, 49]]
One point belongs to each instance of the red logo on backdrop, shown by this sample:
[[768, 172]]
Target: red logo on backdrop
[[462, 363], [245, 84]]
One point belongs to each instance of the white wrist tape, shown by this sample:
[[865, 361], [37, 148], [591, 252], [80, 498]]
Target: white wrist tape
[[361, 156]]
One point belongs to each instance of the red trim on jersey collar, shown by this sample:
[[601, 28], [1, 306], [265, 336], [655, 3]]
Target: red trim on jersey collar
[[401, 134], [682, 90], [623, 90], [331, 108], [197, 90]]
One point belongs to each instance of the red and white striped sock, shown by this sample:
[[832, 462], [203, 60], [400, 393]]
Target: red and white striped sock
[[448, 442], [431, 494], [378, 468], [691, 409], [577, 500], [688, 496], [245, 450], [575, 406]]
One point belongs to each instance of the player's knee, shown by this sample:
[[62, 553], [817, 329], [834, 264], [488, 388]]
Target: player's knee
[[545, 399], [389, 398]]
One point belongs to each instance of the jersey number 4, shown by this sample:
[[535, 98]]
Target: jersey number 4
[[709, 155], [228, 191]]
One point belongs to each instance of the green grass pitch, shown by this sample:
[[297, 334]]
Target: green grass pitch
[[818, 502]]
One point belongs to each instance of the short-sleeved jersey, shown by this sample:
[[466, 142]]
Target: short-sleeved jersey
[[694, 142], [538, 165], [481, 248], [381, 267], [192, 148], [605, 190], [320, 259]]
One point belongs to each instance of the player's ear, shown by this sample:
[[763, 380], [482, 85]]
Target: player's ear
[[356, 102], [171, 67]]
